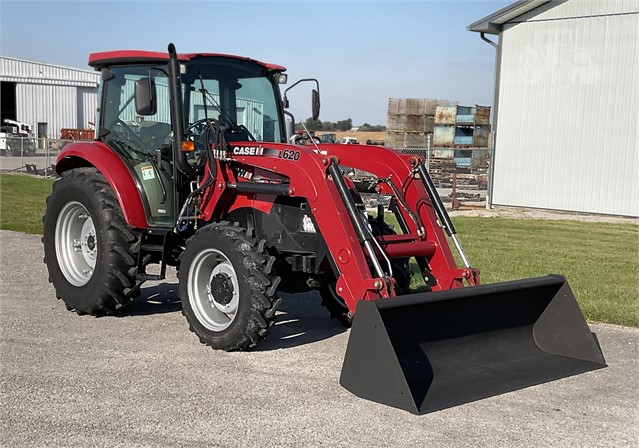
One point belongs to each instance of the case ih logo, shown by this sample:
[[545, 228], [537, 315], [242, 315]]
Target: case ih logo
[[248, 150]]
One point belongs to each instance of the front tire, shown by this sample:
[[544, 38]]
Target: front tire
[[88, 247], [227, 292]]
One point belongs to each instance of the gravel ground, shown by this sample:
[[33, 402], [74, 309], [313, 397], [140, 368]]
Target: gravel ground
[[143, 379]]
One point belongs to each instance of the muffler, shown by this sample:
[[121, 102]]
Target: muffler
[[431, 351]]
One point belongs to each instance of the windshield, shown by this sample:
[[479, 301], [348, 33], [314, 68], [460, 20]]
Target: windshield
[[233, 92], [137, 137]]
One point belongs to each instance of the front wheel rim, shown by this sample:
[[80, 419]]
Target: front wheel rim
[[209, 268], [76, 243]]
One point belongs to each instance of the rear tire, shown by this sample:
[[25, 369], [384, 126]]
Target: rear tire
[[227, 292], [88, 247]]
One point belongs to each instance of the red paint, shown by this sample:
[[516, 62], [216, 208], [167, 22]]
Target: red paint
[[140, 57], [261, 203], [308, 178], [344, 256], [103, 158]]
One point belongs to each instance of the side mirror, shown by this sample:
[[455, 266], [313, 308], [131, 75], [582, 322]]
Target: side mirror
[[315, 106], [315, 99], [145, 97]]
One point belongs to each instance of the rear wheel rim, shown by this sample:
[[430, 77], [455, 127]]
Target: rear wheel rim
[[214, 312], [76, 243]]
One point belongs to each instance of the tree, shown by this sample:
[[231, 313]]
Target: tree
[[313, 125], [373, 128], [344, 125]]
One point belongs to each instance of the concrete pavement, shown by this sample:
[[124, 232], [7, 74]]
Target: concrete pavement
[[142, 379]]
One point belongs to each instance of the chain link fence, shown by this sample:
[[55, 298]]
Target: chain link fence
[[461, 176], [35, 156]]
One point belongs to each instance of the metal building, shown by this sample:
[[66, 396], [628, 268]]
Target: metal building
[[47, 97], [565, 112]]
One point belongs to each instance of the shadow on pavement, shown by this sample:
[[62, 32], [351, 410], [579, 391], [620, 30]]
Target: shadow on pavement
[[300, 318], [158, 299]]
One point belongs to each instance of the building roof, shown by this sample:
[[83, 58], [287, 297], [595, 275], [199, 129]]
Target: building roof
[[32, 72], [492, 24]]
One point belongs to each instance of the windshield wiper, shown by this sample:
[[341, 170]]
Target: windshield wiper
[[230, 123]]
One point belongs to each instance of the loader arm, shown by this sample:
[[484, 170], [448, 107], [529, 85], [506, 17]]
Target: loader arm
[[386, 163], [306, 173]]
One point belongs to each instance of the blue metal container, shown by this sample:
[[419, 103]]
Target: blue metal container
[[444, 136], [463, 135], [469, 119], [463, 140]]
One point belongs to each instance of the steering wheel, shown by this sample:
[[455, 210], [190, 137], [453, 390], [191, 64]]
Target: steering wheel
[[131, 135], [197, 129]]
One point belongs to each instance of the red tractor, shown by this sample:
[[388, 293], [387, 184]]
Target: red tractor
[[192, 167]]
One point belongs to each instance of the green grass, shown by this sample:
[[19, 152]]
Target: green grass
[[22, 202], [600, 260]]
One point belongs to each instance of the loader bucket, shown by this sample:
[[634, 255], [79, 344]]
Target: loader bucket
[[431, 351]]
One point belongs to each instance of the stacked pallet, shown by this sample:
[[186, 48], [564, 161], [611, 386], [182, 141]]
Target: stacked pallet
[[474, 181], [441, 171], [461, 126], [410, 121]]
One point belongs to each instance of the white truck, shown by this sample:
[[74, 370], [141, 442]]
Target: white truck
[[16, 138], [349, 141]]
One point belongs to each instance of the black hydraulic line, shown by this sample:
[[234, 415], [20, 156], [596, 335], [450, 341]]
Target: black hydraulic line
[[258, 188], [353, 213], [394, 208], [442, 214], [361, 228], [177, 116], [402, 202]]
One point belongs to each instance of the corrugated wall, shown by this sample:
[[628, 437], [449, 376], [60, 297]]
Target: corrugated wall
[[62, 97], [87, 106], [579, 8], [54, 105], [18, 70], [568, 124]]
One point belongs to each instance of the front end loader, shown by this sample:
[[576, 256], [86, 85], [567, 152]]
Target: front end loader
[[192, 167]]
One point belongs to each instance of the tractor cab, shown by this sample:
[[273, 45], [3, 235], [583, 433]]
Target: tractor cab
[[163, 146]]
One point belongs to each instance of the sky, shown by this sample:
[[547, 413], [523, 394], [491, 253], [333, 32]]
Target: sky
[[362, 52]]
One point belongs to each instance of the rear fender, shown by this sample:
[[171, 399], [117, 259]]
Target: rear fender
[[116, 172]]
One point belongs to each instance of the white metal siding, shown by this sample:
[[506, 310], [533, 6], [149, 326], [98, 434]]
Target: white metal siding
[[62, 97], [568, 124], [54, 105], [87, 100], [579, 8], [17, 70]]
